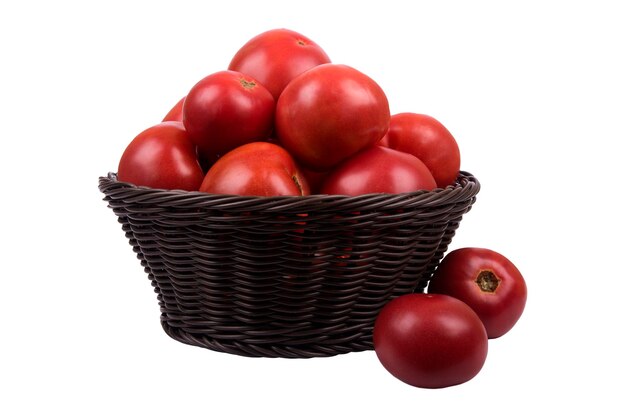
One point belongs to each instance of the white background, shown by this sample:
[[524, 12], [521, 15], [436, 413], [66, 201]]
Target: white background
[[533, 91]]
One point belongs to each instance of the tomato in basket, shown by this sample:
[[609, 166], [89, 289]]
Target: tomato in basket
[[378, 169], [277, 56], [258, 168], [227, 109], [162, 156], [329, 113], [429, 140]]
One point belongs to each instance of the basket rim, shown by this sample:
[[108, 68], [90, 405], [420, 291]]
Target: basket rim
[[465, 183]]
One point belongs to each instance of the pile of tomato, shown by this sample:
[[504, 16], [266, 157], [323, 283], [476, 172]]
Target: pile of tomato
[[283, 120]]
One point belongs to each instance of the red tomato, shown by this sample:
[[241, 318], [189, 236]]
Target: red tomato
[[430, 340], [161, 156], [486, 281], [227, 109], [258, 168], [276, 57], [176, 113], [379, 170], [329, 113], [427, 139]]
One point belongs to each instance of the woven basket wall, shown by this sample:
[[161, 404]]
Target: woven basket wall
[[291, 277]]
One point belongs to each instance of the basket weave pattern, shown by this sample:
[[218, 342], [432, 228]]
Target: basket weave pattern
[[290, 277]]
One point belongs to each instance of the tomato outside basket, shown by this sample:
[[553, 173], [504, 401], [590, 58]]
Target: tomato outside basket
[[292, 277]]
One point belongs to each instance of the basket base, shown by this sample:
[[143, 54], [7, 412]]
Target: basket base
[[266, 350]]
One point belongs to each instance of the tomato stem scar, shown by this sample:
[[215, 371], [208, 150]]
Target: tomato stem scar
[[247, 84], [488, 281]]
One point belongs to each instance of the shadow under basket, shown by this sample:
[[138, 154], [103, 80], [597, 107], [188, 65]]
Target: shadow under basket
[[291, 277]]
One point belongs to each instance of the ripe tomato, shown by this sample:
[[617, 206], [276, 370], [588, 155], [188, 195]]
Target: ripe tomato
[[161, 156], [429, 140], [227, 109], [486, 281], [430, 340], [176, 113], [329, 113], [258, 168], [379, 170], [276, 57]]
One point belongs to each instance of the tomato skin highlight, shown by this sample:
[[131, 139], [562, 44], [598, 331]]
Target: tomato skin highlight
[[330, 113], [488, 282], [162, 156], [430, 340], [276, 57]]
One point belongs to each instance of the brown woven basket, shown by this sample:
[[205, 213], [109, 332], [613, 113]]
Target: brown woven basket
[[291, 277]]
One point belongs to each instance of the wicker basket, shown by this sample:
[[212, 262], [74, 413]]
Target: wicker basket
[[291, 277]]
